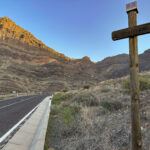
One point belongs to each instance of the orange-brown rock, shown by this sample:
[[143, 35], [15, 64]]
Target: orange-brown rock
[[9, 29]]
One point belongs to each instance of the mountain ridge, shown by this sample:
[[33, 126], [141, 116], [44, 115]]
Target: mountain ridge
[[9, 29], [30, 67]]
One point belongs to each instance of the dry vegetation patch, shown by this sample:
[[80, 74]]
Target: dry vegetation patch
[[97, 118], [144, 84]]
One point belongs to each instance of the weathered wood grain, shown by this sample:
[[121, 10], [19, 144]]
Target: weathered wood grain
[[131, 31], [135, 93]]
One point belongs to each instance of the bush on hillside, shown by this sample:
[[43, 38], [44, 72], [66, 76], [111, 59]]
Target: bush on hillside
[[60, 97], [86, 99], [65, 90], [86, 87], [144, 84], [111, 106]]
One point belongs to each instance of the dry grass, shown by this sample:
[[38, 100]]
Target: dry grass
[[102, 121]]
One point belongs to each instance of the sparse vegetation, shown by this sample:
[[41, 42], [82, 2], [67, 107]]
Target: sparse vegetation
[[111, 106], [63, 115], [65, 90], [105, 89], [86, 87], [144, 84], [126, 84], [68, 114], [86, 99], [59, 97], [95, 120]]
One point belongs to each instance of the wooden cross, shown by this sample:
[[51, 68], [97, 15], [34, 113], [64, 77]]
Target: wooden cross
[[132, 32]]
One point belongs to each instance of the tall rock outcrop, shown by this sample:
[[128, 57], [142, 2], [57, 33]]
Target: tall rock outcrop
[[9, 30]]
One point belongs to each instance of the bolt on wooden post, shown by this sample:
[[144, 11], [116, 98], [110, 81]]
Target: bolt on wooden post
[[132, 32]]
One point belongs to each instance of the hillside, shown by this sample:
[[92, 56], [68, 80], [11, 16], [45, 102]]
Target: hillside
[[97, 118], [28, 65], [9, 30]]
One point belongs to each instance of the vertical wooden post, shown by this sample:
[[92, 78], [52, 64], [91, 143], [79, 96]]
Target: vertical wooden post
[[134, 80]]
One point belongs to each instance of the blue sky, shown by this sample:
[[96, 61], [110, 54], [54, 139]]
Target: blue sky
[[77, 28]]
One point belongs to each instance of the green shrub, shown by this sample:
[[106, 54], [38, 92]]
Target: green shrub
[[144, 84], [68, 114], [105, 105], [65, 90], [86, 87], [126, 84], [111, 106], [59, 97], [62, 118]]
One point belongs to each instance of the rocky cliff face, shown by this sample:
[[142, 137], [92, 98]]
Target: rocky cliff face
[[9, 30], [26, 64]]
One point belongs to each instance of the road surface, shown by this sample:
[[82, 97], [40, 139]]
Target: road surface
[[13, 110]]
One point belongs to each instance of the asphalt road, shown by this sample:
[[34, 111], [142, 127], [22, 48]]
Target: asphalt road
[[13, 110]]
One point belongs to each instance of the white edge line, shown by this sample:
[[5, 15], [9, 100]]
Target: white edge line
[[16, 125], [14, 98], [16, 102]]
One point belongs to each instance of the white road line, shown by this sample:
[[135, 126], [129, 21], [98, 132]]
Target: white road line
[[1, 101], [16, 102], [16, 125]]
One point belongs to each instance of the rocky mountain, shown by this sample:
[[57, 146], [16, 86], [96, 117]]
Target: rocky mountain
[[28, 65], [118, 66]]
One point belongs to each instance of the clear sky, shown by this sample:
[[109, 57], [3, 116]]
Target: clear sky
[[77, 28]]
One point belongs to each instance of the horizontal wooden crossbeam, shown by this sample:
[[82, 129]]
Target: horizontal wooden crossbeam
[[131, 32]]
